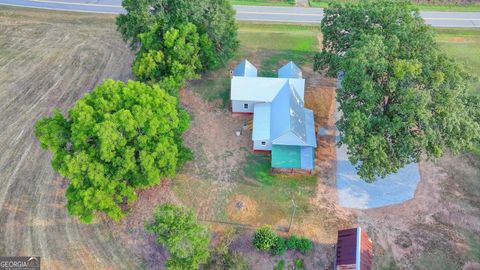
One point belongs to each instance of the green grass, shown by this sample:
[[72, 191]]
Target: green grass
[[463, 45], [258, 168], [213, 86], [262, 2], [421, 6], [274, 193], [277, 43], [278, 37]]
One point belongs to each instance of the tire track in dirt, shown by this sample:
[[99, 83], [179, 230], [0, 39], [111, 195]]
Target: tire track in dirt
[[47, 60]]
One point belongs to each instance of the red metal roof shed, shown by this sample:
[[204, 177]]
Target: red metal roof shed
[[354, 250]]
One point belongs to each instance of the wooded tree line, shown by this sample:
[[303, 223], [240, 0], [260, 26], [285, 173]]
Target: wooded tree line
[[402, 100]]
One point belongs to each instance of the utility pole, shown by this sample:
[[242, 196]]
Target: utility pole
[[293, 215]]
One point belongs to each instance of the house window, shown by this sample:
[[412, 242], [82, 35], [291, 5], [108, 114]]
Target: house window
[[245, 106], [264, 143]]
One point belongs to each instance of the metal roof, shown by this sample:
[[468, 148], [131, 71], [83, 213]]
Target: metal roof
[[291, 123], [354, 250], [310, 128], [290, 70], [245, 69], [260, 89], [261, 122], [346, 247]]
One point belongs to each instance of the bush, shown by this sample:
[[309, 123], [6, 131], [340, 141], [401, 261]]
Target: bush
[[304, 245], [176, 228], [298, 264], [280, 247], [222, 257], [264, 238], [280, 265], [292, 242]]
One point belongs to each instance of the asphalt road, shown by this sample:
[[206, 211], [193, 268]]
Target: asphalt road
[[248, 13]]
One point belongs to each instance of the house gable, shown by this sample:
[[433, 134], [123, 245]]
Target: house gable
[[290, 70], [245, 69]]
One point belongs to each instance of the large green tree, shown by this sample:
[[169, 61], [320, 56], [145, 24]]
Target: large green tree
[[402, 99], [117, 138], [214, 18], [169, 58], [186, 241]]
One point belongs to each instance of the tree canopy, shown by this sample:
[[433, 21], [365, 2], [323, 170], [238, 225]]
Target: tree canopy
[[187, 242], [214, 20], [402, 99], [117, 138], [169, 57]]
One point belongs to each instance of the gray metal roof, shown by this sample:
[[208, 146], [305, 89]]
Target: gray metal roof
[[290, 70], [260, 89], [261, 122], [279, 115], [245, 69], [288, 125]]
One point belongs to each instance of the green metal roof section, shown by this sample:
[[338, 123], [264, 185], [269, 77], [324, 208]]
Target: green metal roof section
[[286, 156]]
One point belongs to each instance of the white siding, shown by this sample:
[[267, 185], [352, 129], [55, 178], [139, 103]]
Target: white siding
[[238, 106], [257, 145]]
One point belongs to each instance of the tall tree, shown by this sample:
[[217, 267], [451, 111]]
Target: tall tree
[[402, 99], [187, 242], [116, 139], [215, 18], [168, 57]]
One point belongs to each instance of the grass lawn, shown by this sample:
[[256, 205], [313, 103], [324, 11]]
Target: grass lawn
[[274, 193], [463, 45], [424, 6]]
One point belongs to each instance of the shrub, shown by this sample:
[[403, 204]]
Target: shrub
[[279, 247], [304, 245], [176, 228], [292, 242], [280, 265], [222, 257], [264, 238], [298, 264]]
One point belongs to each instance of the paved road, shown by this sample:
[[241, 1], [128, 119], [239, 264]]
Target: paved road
[[248, 13]]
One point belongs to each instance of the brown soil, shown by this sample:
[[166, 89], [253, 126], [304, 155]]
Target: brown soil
[[212, 138], [242, 209]]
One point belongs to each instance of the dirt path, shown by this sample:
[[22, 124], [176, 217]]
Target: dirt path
[[47, 60]]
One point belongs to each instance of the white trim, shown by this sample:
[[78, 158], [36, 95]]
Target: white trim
[[358, 247]]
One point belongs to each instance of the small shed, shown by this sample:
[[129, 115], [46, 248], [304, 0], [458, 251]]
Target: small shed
[[354, 250]]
